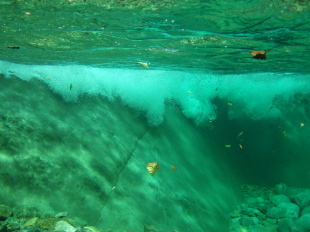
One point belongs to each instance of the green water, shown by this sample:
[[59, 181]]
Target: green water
[[173, 35], [80, 119]]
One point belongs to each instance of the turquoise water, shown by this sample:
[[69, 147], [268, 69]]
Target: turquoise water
[[205, 36], [80, 119]]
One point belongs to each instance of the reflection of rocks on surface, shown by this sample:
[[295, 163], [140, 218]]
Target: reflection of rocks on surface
[[280, 209]]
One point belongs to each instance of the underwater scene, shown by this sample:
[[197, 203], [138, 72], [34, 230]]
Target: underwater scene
[[154, 116]]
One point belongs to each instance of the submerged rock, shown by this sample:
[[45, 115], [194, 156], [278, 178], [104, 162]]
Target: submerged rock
[[281, 189], [277, 199], [287, 210], [50, 223], [248, 221], [30, 229], [32, 222], [5, 212], [304, 222], [149, 228], [284, 210], [305, 211], [303, 199], [25, 212], [64, 226], [91, 229], [19, 220], [11, 224], [77, 222], [287, 225], [61, 215]]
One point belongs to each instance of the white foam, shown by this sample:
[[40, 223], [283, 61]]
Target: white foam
[[148, 90]]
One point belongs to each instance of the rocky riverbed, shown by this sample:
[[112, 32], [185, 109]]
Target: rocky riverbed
[[30, 219], [278, 209]]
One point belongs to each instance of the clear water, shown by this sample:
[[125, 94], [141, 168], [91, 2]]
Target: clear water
[[80, 119], [203, 36]]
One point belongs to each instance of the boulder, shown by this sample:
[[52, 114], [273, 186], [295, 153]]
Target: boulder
[[287, 225], [281, 189], [305, 211], [284, 210], [304, 222], [277, 199], [64, 226], [303, 199], [248, 221]]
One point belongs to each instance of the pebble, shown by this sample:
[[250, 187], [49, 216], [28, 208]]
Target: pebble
[[91, 229], [61, 215]]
